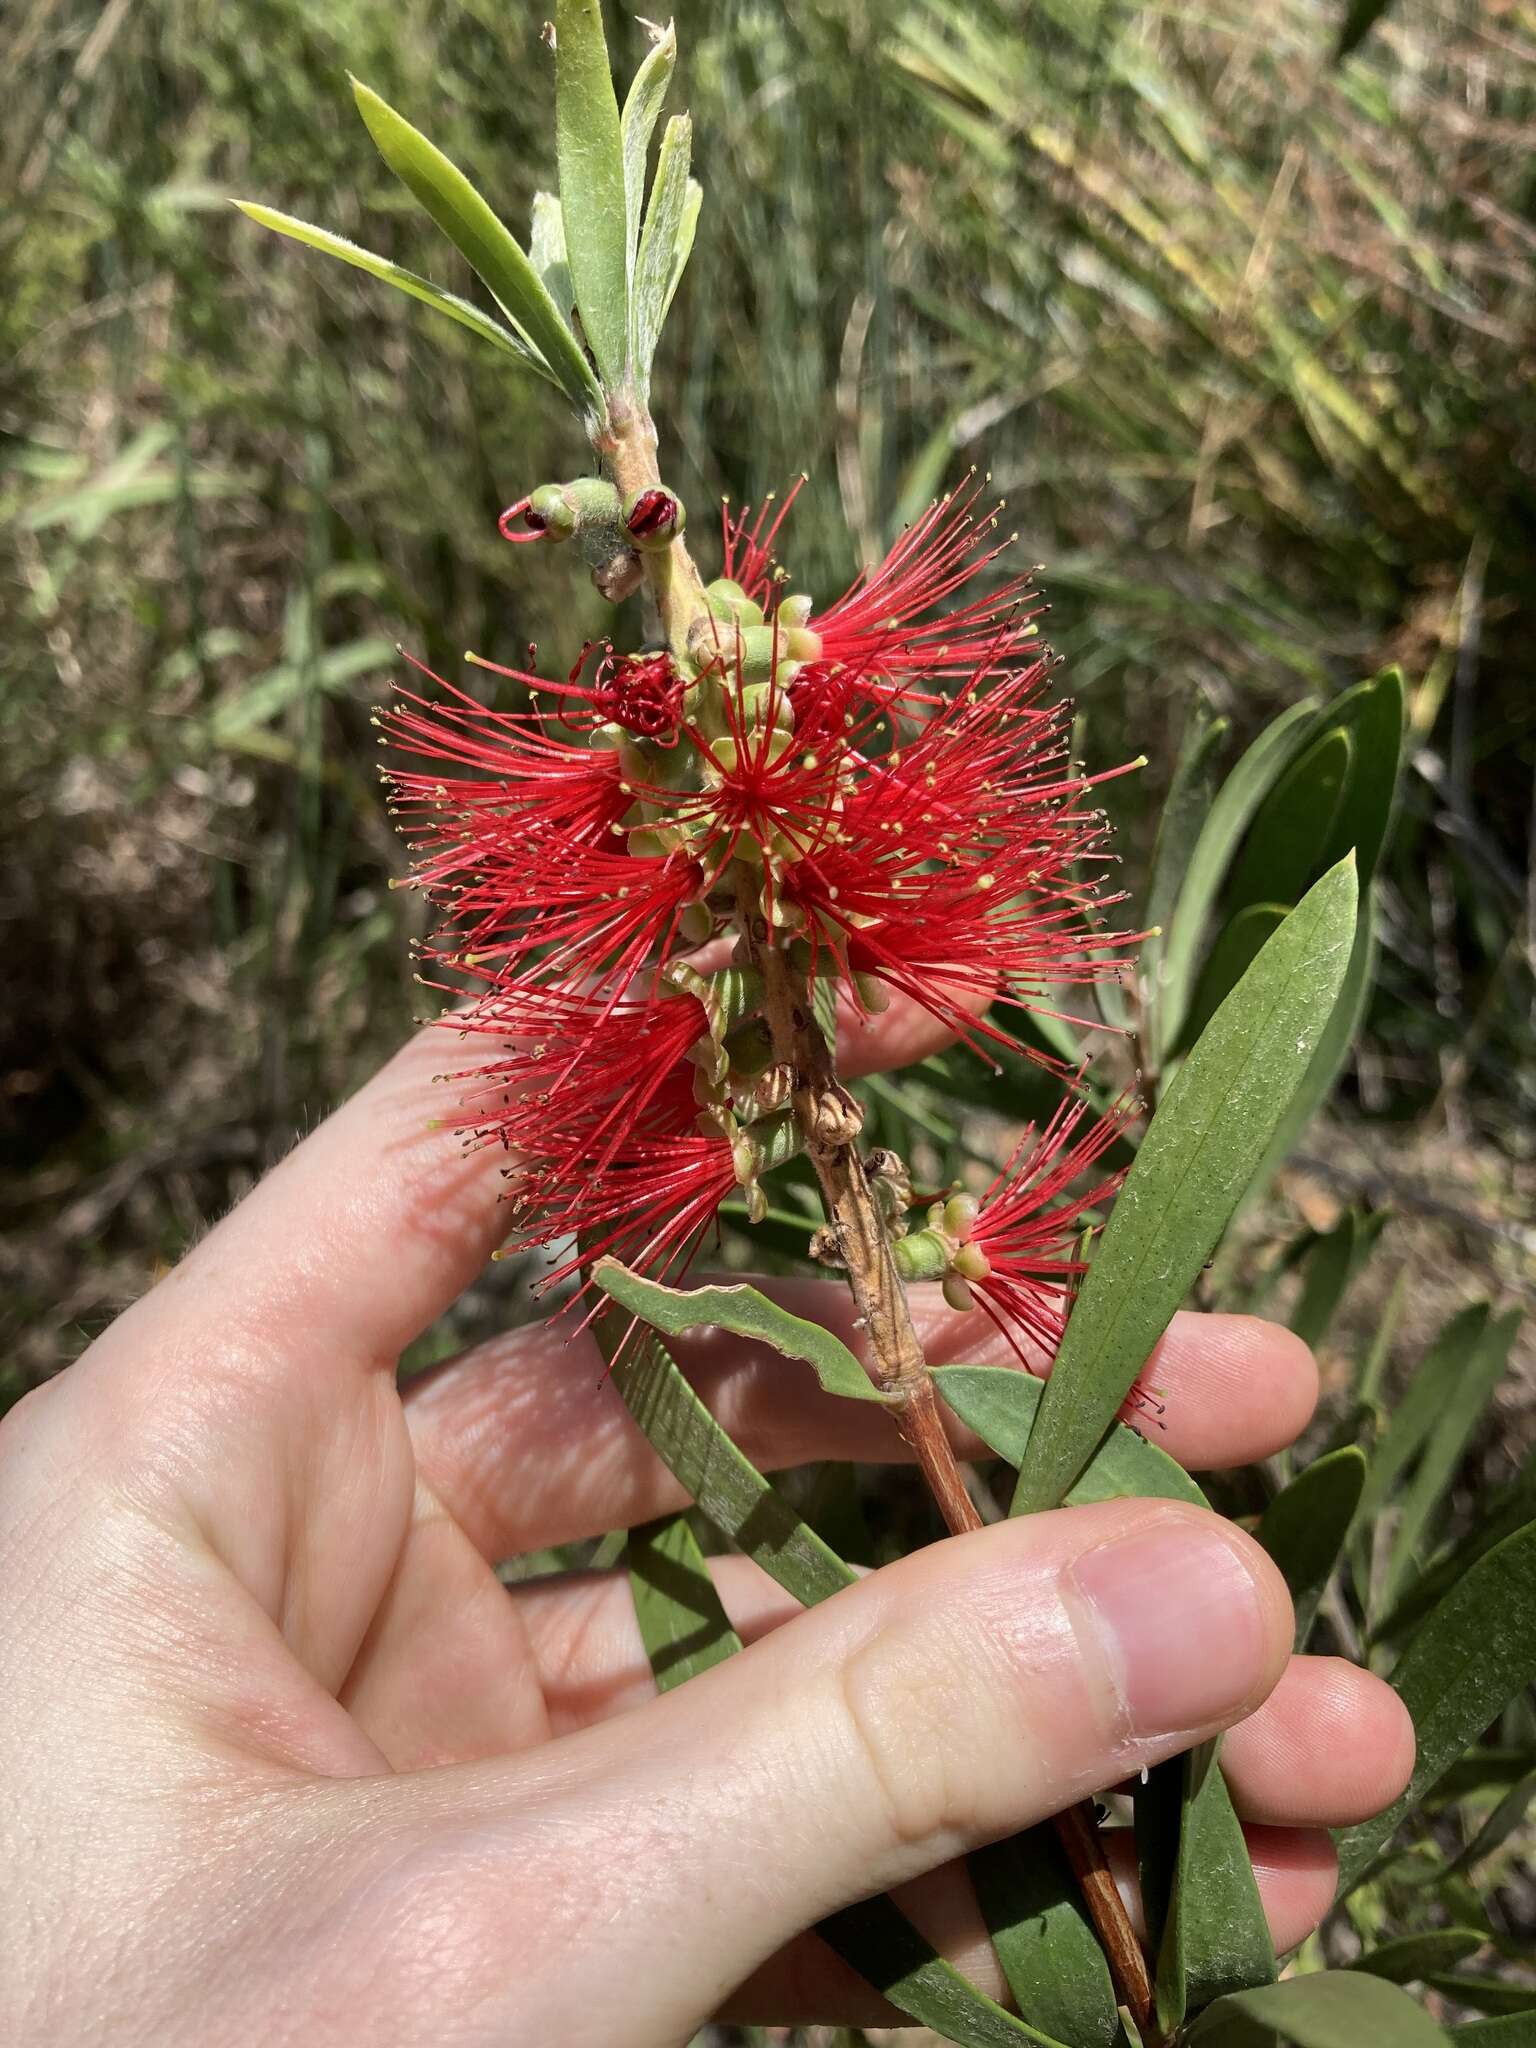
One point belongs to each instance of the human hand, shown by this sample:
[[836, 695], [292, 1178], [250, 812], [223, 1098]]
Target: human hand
[[282, 1760]]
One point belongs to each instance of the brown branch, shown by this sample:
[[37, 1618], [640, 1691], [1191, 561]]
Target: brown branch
[[830, 1122]]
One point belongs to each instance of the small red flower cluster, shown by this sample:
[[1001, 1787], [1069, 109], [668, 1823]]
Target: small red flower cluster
[[891, 786]]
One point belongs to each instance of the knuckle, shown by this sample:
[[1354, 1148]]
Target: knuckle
[[910, 1724]]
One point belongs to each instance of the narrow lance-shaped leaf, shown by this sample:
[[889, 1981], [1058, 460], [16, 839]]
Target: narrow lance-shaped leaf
[[1195, 1161], [590, 152], [1183, 814], [1204, 1905], [483, 241], [1305, 1525], [1517, 2030], [746, 1313], [1413, 1957], [1374, 713], [682, 247], [873, 1938], [449, 303], [1044, 1940], [1331, 2009], [1462, 1410], [1236, 802], [658, 266], [1413, 1421], [1472, 1653], [637, 124], [682, 1624], [546, 250], [1286, 842]]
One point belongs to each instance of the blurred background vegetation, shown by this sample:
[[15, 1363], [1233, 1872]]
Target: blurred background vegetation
[[1245, 337]]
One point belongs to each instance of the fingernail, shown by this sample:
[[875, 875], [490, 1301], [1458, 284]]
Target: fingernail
[[1182, 1621]]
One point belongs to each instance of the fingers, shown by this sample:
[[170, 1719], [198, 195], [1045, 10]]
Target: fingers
[[961, 1694], [527, 1444], [1331, 1745], [372, 1226], [807, 1984]]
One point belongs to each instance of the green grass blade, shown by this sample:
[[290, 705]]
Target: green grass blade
[[485, 243], [1195, 1162], [590, 150]]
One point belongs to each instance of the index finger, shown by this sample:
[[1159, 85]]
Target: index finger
[[381, 1218]]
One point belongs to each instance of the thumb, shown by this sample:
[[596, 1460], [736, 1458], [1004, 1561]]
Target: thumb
[[957, 1696]]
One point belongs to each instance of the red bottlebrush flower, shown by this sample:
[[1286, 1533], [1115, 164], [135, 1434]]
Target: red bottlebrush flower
[[886, 628], [1012, 1250], [649, 1206], [958, 866], [1022, 1239], [582, 1074], [527, 855]]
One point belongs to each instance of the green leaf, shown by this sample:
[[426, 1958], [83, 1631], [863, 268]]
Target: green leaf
[[1374, 713], [659, 265], [682, 245], [873, 1938], [1331, 1265], [590, 151], [1518, 2030], [637, 124], [1332, 1051], [1000, 1406], [1506, 1819], [1194, 1855], [406, 281], [1237, 946], [1412, 1957], [1215, 1936], [1194, 1164], [682, 1624], [1183, 814], [1413, 1420], [483, 241], [1305, 1525], [746, 1313], [1460, 1412], [1508, 1510], [877, 1940], [546, 250], [1286, 841], [713, 1472], [1044, 1940], [1495, 1995], [1333, 2009], [1473, 1652], [1236, 802]]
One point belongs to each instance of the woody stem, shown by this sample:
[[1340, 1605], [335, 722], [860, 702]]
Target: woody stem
[[830, 1122]]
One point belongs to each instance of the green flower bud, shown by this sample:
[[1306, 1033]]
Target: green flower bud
[[727, 600]]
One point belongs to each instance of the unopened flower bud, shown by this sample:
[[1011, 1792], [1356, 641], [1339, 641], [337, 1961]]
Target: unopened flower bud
[[971, 1263], [956, 1293], [727, 600], [653, 518], [795, 611], [549, 514], [960, 1213]]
